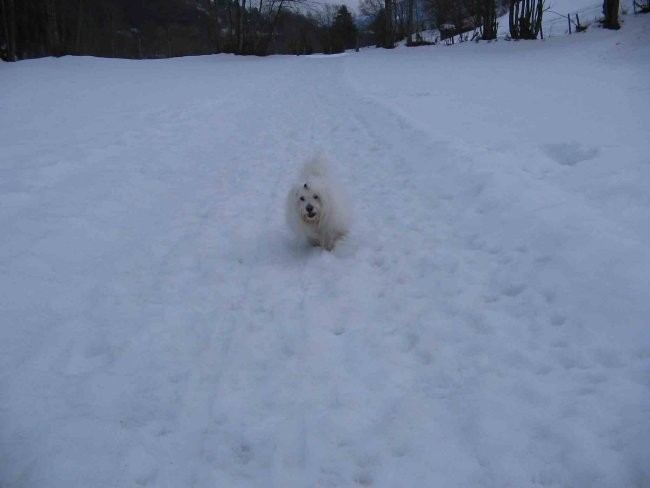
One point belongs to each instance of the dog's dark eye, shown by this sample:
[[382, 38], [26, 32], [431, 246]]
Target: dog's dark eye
[[302, 199], [315, 197]]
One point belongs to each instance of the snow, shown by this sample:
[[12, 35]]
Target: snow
[[485, 324]]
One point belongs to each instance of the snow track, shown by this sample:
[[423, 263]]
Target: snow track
[[485, 324]]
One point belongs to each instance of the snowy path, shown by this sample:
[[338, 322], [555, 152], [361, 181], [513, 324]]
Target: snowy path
[[485, 324]]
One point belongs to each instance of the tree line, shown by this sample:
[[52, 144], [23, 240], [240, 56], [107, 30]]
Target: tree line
[[165, 28], [403, 20]]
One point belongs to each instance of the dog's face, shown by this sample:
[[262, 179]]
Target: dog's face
[[309, 202]]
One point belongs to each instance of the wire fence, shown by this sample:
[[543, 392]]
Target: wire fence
[[562, 23]]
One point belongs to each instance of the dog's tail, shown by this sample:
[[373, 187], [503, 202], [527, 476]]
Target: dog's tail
[[316, 167]]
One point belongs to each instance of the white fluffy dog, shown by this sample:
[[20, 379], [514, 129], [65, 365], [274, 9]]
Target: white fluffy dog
[[317, 206]]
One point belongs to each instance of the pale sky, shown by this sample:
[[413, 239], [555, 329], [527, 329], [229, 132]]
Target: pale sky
[[353, 5]]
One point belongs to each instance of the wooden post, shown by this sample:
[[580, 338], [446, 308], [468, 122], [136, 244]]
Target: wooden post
[[568, 16], [579, 26]]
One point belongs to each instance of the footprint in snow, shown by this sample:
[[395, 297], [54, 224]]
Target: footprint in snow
[[81, 358], [557, 319], [569, 153], [514, 289]]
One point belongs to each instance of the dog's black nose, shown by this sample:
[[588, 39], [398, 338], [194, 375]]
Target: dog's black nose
[[309, 208]]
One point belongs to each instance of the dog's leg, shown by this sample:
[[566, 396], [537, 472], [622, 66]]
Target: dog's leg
[[328, 243], [332, 241]]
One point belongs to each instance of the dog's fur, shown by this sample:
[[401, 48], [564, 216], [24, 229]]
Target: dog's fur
[[317, 206]]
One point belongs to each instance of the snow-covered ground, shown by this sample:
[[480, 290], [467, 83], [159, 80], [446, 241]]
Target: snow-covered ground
[[486, 324]]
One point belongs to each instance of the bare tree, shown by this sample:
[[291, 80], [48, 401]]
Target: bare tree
[[526, 18], [374, 9], [409, 25], [151, 28], [371, 8], [486, 18], [214, 26], [326, 16], [389, 34], [449, 16], [53, 38], [240, 30], [9, 26], [77, 46], [610, 9]]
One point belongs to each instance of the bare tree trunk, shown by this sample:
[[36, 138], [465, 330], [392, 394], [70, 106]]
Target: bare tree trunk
[[5, 25], [389, 43], [258, 42], [79, 23], [488, 19], [233, 26], [215, 15], [409, 27], [53, 38], [512, 16], [395, 23], [610, 9], [12, 30], [170, 44], [9, 25], [272, 27], [140, 53], [112, 31], [242, 15], [526, 18]]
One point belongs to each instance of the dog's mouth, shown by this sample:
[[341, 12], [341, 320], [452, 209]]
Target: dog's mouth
[[310, 217]]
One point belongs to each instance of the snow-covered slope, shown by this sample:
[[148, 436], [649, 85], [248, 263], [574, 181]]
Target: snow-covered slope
[[486, 323]]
